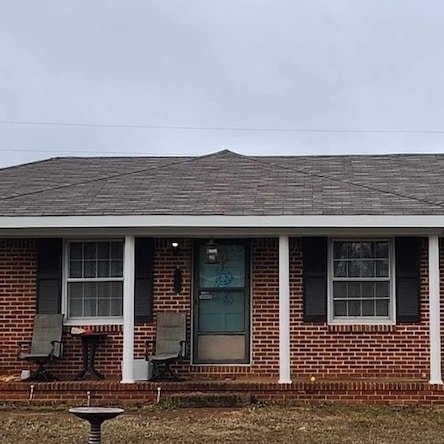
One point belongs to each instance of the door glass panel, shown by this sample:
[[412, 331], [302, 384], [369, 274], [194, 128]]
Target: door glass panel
[[228, 273], [221, 311]]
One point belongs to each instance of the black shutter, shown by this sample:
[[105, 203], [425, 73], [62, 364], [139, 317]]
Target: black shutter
[[49, 276], [407, 252], [314, 250], [143, 291]]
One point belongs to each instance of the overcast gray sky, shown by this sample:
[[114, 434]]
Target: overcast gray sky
[[312, 64]]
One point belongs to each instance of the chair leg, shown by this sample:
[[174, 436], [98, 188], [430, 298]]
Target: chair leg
[[166, 374], [41, 374]]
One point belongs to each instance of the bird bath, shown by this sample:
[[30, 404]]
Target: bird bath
[[95, 416]]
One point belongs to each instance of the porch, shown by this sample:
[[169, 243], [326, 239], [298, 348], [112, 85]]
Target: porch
[[287, 347]]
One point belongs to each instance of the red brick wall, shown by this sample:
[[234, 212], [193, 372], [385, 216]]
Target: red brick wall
[[316, 349], [360, 351], [17, 298]]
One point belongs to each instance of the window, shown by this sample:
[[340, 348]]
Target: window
[[94, 279], [361, 280]]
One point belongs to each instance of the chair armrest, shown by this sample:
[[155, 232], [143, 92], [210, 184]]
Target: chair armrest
[[183, 349], [59, 346], [150, 346]]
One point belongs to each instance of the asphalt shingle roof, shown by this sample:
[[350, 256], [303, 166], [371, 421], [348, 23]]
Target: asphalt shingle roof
[[226, 183]]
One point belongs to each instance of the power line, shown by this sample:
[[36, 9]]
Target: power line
[[39, 150], [222, 128]]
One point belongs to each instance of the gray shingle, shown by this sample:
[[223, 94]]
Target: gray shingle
[[226, 183]]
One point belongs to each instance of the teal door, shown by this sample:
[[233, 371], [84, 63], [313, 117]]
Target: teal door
[[221, 305]]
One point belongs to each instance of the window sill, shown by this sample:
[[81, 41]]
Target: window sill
[[92, 321], [362, 328]]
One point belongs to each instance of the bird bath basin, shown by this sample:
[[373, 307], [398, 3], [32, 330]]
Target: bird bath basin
[[95, 416]]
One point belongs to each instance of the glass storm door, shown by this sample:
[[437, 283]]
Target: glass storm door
[[221, 305]]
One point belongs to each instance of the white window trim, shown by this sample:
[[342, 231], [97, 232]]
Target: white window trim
[[86, 321], [391, 320]]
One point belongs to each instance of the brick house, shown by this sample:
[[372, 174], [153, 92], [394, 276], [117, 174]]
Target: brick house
[[329, 266]]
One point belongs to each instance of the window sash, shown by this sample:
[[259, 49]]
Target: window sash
[[359, 299], [110, 259], [84, 280]]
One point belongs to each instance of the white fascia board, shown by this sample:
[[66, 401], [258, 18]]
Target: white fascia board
[[169, 221]]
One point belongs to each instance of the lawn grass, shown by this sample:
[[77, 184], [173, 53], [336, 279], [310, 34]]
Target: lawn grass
[[271, 424]]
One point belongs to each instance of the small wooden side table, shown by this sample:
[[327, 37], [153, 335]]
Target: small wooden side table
[[89, 340]]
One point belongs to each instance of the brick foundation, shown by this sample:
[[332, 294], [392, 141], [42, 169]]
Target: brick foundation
[[323, 392], [320, 350]]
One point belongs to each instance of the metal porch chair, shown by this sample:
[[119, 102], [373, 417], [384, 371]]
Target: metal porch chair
[[46, 345], [169, 345]]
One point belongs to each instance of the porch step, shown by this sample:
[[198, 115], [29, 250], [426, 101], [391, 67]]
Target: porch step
[[201, 399]]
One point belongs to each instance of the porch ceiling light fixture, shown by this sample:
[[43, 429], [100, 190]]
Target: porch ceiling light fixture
[[212, 255]]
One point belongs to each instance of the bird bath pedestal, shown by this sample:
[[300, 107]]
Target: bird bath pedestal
[[95, 416]]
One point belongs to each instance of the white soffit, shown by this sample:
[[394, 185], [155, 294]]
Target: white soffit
[[167, 221]]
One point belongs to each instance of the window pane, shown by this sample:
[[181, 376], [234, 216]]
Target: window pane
[[367, 249], [368, 289], [354, 250], [75, 290], [89, 289], [367, 268], [103, 290], [116, 268], [382, 307], [116, 307], [368, 308], [381, 250], [116, 289], [340, 308], [340, 250], [382, 268], [340, 269], [382, 289], [354, 308], [103, 270], [89, 269], [354, 268], [90, 307], [117, 250], [354, 290], [89, 249], [75, 250], [104, 250], [75, 307], [339, 289], [104, 307], [93, 299], [75, 269]]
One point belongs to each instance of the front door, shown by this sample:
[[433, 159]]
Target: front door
[[221, 305]]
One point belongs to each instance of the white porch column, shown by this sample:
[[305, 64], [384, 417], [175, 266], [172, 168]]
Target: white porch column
[[434, 311], [284, 310], [128, 310]]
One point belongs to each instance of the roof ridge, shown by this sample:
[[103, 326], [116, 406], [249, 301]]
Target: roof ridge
[[34, 162]]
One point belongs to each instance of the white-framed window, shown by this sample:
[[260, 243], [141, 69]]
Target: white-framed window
[[93, 281], [361, 281]]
